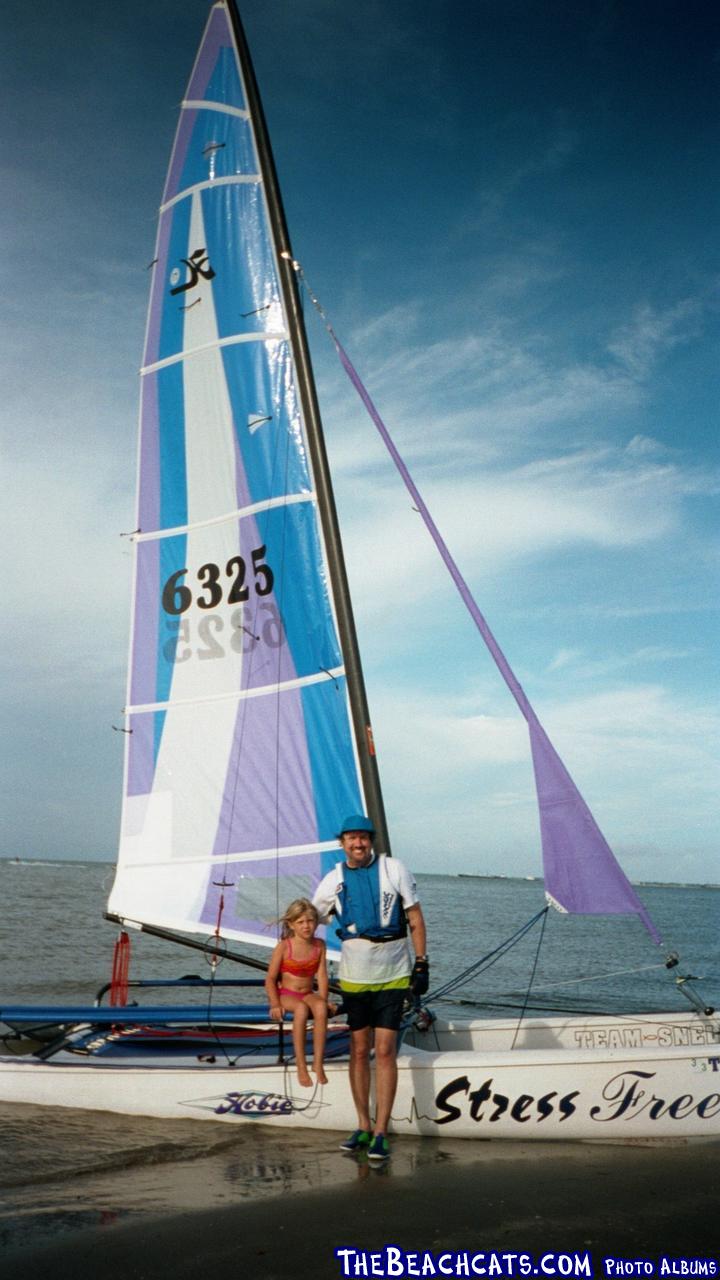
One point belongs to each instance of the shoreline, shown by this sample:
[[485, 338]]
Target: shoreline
[[630, 1201]]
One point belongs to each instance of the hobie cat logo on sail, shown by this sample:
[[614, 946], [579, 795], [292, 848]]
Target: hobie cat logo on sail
[[198, 265]]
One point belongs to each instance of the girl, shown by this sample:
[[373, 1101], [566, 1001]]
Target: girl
[[297, 964]]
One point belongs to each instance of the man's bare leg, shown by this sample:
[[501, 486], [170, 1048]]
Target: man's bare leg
[[360, 1045], [385, 1076]]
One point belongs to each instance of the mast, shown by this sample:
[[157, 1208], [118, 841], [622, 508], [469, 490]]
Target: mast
[[316, 444]]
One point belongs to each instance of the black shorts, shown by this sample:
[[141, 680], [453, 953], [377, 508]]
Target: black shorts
[[375, 1008]]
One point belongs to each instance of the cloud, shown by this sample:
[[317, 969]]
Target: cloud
[[571, 659], [636, 753], [490, 389], [497, 392], [603, 498], [563, 658], [652, 332], [548, 156], [644, 446]]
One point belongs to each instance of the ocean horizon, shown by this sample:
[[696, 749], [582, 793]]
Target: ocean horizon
[[41, 860]]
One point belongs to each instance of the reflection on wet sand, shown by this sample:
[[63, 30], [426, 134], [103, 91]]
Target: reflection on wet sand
[[152, 1179]]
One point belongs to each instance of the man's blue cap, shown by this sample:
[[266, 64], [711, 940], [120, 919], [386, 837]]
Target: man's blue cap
[[357, 822]]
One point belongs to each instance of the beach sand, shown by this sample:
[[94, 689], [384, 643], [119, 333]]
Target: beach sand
[[627, 1201]]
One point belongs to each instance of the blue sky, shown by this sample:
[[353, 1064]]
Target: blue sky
[[509, 211]]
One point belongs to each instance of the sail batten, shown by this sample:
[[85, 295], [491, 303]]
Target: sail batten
[[240, 513], [255, 855], [234, 180], [262, 692], [216, 344], [199, 104]]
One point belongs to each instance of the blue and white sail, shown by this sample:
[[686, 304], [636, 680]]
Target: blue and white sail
[[241, 757]]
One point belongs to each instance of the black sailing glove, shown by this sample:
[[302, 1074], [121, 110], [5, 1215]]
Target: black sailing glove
[[420, 978]]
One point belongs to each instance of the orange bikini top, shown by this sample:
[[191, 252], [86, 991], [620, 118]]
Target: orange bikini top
[[302, 968]]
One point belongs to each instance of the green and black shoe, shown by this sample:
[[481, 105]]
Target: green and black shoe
[[379, 1148], [358, 1141]]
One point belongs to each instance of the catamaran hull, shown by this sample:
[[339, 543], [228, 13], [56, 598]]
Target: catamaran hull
[[590, 1093]]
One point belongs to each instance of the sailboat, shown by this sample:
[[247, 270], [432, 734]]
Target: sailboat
[[248, 736]]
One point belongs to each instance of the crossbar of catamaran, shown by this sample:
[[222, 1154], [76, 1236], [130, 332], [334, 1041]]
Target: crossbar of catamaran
[[247, 730]]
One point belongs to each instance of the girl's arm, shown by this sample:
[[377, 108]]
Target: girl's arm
[[321, 976], [322, 982], [271, 980]]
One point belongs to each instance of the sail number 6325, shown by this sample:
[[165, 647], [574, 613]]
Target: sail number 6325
[[177, 596]]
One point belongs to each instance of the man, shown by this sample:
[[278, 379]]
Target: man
[[374, 902]]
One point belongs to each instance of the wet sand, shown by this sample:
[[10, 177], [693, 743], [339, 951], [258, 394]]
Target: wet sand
[[632, 1202]]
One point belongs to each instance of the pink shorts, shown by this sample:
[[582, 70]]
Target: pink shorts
[[299, 995]]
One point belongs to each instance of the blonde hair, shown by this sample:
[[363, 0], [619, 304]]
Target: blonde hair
[[300, 907]]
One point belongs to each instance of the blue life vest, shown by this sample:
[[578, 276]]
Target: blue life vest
[[359, 914]]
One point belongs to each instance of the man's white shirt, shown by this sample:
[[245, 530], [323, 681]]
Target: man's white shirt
[[363, 962]]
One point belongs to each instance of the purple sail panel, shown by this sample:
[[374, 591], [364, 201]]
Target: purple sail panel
[[582, 874], [143, 668], [140, 754], [268, 801], [215, 74]]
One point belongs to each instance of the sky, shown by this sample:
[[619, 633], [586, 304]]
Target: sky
[[509, 211]]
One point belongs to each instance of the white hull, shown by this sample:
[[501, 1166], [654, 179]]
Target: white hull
[[586, 1079]]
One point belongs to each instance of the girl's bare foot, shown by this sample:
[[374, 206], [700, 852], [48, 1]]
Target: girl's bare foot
[[320, 1073], [304, 1078]]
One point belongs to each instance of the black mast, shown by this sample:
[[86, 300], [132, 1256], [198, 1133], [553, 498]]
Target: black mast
[[316, 444]]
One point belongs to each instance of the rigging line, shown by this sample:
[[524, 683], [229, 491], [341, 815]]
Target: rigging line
[[238, 743], [249, 1052], [237, 748], [266, 507], [532, 977], [481, 967], [280, 466], [280, 603], [596, 977], [573, 1011], [489, 958], [287, 1087], [215, 958]]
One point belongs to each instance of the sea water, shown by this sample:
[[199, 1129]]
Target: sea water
[[63, 1169]]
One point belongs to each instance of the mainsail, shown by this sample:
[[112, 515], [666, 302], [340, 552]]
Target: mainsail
[[246, 741]]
